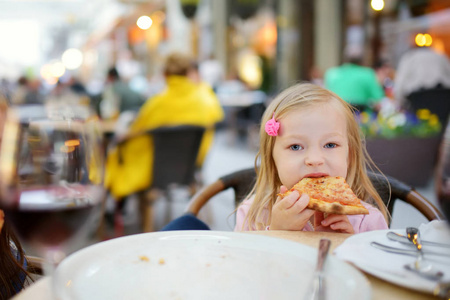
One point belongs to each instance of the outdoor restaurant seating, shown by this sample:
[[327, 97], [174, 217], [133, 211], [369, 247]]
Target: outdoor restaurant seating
[[175, 153], [389, 188]]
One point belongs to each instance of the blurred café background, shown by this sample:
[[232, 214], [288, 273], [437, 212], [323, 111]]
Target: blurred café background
[[247, 50]]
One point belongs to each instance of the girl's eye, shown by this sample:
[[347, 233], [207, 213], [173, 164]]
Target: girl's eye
[[295, 147], [330, 145]]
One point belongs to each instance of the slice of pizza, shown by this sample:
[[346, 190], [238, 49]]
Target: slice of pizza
[[329, 195]]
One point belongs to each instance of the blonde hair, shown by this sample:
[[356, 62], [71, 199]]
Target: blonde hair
[[267, 185], [177, 64]]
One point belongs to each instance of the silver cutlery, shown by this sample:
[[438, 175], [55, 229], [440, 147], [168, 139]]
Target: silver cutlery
[[393, 236], [317, 290], [421, 266], [411, 252]]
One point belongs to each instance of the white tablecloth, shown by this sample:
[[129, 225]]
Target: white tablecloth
[[39, 290]]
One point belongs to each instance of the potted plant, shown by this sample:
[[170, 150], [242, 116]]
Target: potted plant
[[403, 144]]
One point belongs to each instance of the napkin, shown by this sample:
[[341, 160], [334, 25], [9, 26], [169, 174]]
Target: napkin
[[390, 266]]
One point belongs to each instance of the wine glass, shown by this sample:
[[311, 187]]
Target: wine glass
[[51, 170], [443, 174]]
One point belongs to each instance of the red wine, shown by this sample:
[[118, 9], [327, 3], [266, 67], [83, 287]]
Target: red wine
[[49, 227], [51, 217]]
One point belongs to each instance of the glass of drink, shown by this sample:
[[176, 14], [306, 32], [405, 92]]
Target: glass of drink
[[51, 170]]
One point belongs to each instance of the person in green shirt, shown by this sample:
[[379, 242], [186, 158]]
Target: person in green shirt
[[356, 84]]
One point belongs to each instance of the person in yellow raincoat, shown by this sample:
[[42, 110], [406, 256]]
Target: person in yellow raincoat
[[183, 102]]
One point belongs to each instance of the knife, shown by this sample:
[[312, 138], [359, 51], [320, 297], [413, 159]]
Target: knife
[[318, 291], [411, 252]]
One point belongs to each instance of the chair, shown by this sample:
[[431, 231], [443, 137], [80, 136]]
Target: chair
[[175, 153], [393, 190], [242, 182], [436, 100]]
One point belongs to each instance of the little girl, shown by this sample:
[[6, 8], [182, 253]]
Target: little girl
[[308, 131]]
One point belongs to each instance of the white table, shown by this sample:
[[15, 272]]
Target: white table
[[382, 290]]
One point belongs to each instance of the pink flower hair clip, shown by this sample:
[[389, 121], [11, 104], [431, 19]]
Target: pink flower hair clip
[[272, 126]]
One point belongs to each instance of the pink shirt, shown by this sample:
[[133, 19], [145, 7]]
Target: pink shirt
[[361, 223]]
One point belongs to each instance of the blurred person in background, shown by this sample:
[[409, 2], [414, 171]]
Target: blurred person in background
[[182, 102], [63, 95], [35, 94], [210, 96], [129, 100], [385, 75], [20, 91], [420, 68], [354, 83]]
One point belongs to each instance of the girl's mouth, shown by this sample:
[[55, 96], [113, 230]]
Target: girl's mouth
[[315, 175]]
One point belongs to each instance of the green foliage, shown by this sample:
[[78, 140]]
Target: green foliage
[[399, 124]]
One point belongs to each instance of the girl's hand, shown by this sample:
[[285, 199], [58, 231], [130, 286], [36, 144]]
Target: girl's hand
[[332, 223], [290, 213]]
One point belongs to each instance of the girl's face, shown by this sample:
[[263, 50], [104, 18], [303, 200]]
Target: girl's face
[[312, 142]]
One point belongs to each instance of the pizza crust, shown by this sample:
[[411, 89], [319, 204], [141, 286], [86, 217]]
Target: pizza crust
[[336, 208]]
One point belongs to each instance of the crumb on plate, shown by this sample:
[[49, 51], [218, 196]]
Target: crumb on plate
[[144, 258]]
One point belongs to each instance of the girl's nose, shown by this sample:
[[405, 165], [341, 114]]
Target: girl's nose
[[314, 158]]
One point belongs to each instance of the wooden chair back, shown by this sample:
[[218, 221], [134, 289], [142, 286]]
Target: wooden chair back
[[389, 189]]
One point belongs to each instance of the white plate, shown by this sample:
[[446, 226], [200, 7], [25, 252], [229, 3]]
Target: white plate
[[390, 266], [201, 265]]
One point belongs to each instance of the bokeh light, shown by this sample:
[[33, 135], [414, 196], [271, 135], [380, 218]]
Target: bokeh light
[[250, 69], [72, 59], [57, 69], [423, 40], [52, 71], [144, 22], [428, 40], [377, 5]]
